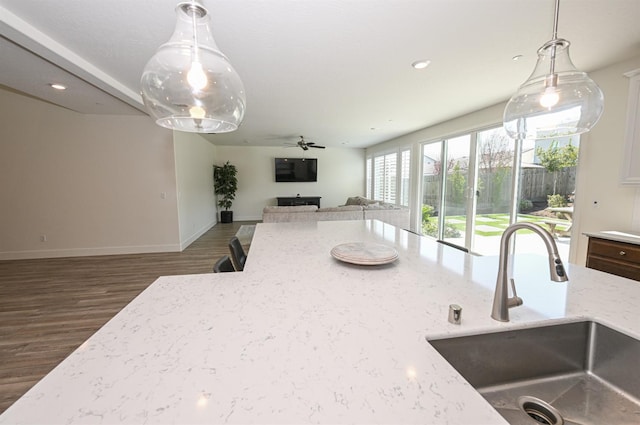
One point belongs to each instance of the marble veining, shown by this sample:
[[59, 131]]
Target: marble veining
[[299, 337]]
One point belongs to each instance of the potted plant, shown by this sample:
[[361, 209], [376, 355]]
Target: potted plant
[[225, 184]]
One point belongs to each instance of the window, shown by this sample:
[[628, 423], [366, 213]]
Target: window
[[388, 177], [405, 180], [384, 178], [368, 179], [476, 184]]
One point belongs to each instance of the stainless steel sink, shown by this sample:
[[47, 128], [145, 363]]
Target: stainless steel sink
[[573, 373]]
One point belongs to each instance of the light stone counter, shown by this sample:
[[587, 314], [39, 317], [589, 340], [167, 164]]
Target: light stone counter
[[300, 337], [614, 235]]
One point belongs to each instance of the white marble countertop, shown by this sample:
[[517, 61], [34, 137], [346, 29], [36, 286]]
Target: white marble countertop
[[614, 235], [300, 337]]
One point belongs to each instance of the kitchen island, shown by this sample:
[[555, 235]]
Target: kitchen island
[[300, 337]]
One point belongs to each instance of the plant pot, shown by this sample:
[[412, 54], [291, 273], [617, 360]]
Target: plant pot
[[226, 216]]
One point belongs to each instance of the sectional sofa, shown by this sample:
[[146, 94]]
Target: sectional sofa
[[356, 208]]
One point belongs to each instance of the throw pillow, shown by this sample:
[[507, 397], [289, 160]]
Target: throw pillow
[[374, 206], [353, 201]]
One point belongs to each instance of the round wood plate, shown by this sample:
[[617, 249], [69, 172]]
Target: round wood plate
[[364, 253]]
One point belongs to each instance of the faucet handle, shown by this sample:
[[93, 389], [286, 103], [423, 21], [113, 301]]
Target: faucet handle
[[514, 301], [560, 274]]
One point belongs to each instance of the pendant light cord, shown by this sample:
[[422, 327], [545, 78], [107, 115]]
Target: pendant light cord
[[194, 14], [551, 78], [555, 21]]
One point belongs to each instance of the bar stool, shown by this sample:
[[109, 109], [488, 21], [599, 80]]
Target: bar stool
[[223, 265], [238, 256]]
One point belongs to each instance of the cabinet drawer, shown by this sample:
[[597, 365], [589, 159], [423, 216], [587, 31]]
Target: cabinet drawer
[[630, 271], [615, 250]]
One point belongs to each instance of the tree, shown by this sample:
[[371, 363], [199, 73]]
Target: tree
[[495, 152], [495, 163], [555, 158], [437, 166], [458, 184]]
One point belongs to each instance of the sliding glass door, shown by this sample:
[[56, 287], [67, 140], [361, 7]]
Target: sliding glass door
[[447, 196], [467, 184], [494, 189], [475, 185]]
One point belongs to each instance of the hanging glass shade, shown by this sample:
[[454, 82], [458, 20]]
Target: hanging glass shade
[[189, 84], [556, 100]]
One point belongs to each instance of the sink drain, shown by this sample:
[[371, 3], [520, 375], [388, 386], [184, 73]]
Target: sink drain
[[540, 411]]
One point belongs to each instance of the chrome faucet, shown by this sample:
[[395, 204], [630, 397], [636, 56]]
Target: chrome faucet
[[501, 300]]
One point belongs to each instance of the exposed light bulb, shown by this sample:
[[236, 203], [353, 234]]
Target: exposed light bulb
[[196, 77], [197, 112], [188, 84], [549, 98], [568, 103]]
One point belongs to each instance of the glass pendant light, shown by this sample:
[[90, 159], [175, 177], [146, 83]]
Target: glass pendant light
[[556, 100], [189, 85]]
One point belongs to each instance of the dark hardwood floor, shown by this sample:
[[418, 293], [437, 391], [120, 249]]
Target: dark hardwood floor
[[48, 307]]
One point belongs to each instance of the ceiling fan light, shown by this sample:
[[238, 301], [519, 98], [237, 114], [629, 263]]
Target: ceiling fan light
[[189, 84], [556, 100]]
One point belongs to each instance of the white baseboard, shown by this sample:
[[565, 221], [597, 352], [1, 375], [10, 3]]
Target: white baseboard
[[86, 252], [191, 239], [110, 250], [247, 218]]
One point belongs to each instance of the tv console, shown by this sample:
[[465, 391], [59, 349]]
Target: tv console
[[298, 200]]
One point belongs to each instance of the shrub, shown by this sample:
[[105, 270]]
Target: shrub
[[427, 211], [430, 226], [525, 205], [556, 201]]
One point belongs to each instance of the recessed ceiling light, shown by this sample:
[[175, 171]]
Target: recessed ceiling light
[[516, 57], [58, 86], [421, 64]]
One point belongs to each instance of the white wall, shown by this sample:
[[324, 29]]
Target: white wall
[[483, 118], [91, 184], [197, 212], [601, 153], [601, 158], [340, 175], [96, 185], [119, 184]]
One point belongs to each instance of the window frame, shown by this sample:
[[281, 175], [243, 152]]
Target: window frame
[[395, 179]]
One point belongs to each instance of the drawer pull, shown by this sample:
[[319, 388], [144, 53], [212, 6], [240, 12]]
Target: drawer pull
[[623, 253]]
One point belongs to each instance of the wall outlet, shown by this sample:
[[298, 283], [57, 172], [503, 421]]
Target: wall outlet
[[43, 238]]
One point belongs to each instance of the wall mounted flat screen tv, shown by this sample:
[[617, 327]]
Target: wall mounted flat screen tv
[[296, 169]]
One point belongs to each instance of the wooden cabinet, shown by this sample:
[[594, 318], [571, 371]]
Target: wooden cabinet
[[619, 258], [299, 200], [631, 160]]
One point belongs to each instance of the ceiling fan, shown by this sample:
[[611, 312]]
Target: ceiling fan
[[304, 145]]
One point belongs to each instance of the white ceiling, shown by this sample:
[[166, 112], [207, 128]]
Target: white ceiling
[[336, 71]]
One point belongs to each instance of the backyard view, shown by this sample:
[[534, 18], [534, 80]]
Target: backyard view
[[476, 185]]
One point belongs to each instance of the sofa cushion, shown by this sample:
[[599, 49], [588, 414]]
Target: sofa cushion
[[359, 200], [399, 217], [291, 209], [339, 209], [375, 206]]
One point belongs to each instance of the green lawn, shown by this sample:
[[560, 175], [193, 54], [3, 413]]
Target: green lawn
[[495, 224]]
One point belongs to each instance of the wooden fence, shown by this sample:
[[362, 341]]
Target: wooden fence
[[495, 188]]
